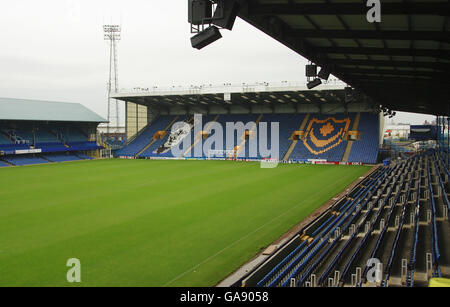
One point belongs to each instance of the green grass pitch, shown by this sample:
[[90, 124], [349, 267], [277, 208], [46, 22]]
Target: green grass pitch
[[151, 223]]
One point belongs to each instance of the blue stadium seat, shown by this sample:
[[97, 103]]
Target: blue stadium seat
[[84, 157], [366, 149], [83, 146], [320, 141], [51, 147], [146, 136], [151, 150], [44, 136], [326, 138], [24, 160], [74, 136], [4, 140], [61, 158]]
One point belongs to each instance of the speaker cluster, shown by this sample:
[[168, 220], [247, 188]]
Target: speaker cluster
[[210, 16], [314, 78]]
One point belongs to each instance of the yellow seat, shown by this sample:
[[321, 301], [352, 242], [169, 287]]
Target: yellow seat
[[439, 283]]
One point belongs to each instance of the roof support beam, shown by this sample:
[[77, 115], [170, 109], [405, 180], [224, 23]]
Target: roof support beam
[[443, 54], [422, 8], [386, 80], [367, 34], [429, 74], [403, 64]]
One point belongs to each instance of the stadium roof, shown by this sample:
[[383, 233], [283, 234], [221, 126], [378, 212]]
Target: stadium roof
[[37, 110], [245, 95], [402, 63]]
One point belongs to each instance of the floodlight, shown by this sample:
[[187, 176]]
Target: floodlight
[[324, 74], [225, 14], [206, 37], [316, 82]]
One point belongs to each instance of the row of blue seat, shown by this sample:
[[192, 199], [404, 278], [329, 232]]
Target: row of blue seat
[[22, 160], [52, 147], [4, 139], [387, 269], [330, 225], [413, 252], [146, 136], [61, 158], [304, 147], [34, 135], [362, 205], [312, 257], [364, 150], [435, 244], [394, 186], [391, 180], [388, 181], [375, 250], [443, 158], [434, 233]]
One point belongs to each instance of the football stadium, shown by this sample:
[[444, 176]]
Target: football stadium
[[288, 184]]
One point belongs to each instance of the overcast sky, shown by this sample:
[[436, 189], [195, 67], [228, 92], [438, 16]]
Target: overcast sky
[[54, 50]]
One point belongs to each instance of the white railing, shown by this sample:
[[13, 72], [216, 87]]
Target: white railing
[[225, 87]]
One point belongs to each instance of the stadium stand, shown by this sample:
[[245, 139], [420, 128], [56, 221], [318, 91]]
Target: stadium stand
[[43, 136], [323, 137], [25, 135], [52, 147], [4, 140], [83, 146], [42, 139], [423, 132], [83, 157], [41, 159], [47, 131], [398, 214], [145, 138], [74, 136], [366, 149], [24, 160], [151, 149], [4, 164], [61, 158], [200, 136], [288, 125], [319, 141]]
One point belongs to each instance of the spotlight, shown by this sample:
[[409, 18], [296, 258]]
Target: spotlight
[[324, 74], [314, 83], [349, 94], [225, 14], [311, 71], [199, 11], [206, 37]]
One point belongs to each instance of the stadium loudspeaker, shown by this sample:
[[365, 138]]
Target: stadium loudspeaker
[[314, 83], [311, 71], [225, 14], [323, 74], [199, 11], [206, 37]]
